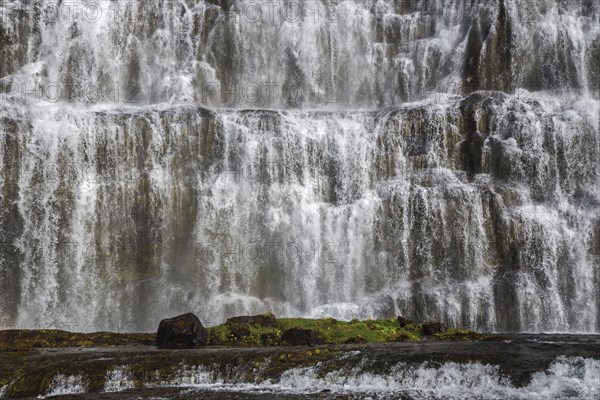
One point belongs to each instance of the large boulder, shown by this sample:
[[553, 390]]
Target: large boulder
[[403, 321], [431, 328], [267, 320], [182, 331], [240, 331], [268, 339], [301, 337]]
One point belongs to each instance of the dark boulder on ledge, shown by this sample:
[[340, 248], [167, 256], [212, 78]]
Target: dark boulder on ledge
[[240, 331], [403, 321], [267, 320], [431, 328], [301, 337], [180, 332]]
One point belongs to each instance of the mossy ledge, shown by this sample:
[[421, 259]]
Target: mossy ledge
[[32, 373], [27, 339], [329, 331], [244, 332]]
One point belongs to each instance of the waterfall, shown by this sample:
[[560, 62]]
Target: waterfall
[[438, 159]]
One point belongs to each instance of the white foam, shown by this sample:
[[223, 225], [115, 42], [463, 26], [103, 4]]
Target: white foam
[[566, 378], [62, 384], [119, 379]]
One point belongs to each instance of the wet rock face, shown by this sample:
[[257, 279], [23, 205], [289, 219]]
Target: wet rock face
[[172, 226], [182, 331], [301, 337], [472, 149], [154, 206], [27, 375]]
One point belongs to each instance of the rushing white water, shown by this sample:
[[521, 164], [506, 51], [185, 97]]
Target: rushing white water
[[62, 384], [290, 53], [125, 201], [566, 378], [119, 379]]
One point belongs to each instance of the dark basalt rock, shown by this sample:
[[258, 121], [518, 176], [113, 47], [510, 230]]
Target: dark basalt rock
[[301, 337], [470, 73], [240, 331], [431, 328], [267, 320], [182, 331], [403, 321], [472, 148]]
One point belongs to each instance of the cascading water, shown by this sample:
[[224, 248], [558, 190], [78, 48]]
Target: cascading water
[[435, 159]]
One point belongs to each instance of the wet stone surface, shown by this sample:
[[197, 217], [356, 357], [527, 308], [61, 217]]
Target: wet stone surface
[[269, 372]]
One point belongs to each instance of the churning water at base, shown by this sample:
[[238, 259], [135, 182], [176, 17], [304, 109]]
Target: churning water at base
[[436, 159], [566, 378]]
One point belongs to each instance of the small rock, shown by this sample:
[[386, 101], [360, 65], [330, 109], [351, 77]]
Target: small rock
[[267, 320], [431, 328], [268, 338], [301, 337], [182, 331], [240, 331], [403, 321]]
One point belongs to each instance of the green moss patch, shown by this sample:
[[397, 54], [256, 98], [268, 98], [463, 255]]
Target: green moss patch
[[263, 330], [331, 331]]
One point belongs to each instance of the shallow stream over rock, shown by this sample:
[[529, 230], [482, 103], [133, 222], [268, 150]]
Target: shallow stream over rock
[[515, 367]]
